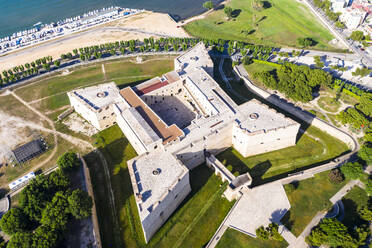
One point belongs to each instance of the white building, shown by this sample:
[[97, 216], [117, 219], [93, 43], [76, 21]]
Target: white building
[[95, 104], [353, 18], [338, 5], [173, 121]]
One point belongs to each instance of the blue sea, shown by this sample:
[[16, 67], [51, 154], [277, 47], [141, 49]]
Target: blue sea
[[17, 15]]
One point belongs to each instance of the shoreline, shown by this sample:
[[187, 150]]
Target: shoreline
[[80, 29], [136, 26]]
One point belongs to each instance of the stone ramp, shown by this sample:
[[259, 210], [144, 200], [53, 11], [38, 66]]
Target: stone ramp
[[259, 206]]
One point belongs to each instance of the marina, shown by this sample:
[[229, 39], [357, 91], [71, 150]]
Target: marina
[[41, 33]]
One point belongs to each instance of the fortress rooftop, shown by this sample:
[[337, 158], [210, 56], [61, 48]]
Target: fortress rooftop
[[153, 176], [261, 117], [196, 57], [97, 97]]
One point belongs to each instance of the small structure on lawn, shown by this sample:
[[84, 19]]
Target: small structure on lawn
[[29, 150]]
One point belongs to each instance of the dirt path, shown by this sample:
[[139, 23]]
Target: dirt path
[[76, 141]]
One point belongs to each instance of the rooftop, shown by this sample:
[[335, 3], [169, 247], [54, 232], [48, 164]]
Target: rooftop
[[210, 89], [98, 96], [195, 57], [29, 150], [167, 133], [140, 127], [155, 174], [261, 117]]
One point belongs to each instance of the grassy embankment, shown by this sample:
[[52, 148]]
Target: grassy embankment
[[306, 153], [281, 23], [235, 239], [192, 225], [311, 196]]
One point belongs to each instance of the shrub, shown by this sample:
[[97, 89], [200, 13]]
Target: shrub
[[262, 233], [229, 167], [335, 176]]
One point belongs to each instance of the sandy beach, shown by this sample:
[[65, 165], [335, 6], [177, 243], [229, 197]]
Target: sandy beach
[[147, 24]]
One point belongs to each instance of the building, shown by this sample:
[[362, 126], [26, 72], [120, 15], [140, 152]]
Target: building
[[175, 120], [95, 104], [353, 17], [29, 150], [338, 5]]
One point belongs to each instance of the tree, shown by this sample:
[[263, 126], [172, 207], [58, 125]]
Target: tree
[[306, 42], [331, 232], [361, 71], [318, 62], [352, 170], [262, 233], [270, 232], [20, 240], [58, 181], [34, 197], [57, 63], [80, 204], [365, 213], [55, 214], [339, 24], [75, 51], [228, 11], [68, 161], [365, 104], [208, 5], [365, 153], [357, 35], [14, 221], [45, 237]]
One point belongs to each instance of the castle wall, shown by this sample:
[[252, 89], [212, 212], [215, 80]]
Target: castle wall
[[248, 144], [216, 141], [133, 138], [100, 119], [166, 207]]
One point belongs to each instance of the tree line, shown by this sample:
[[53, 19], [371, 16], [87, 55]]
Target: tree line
[[46, 206]]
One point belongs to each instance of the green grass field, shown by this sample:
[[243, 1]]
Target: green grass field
[[52, 91], [192, 225], [311, 196], [235, 239], [279, 25], [328, 104], [306, 153]]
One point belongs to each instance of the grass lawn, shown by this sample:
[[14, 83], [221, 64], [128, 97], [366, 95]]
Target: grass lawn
[[306, 153], [192, 225], [235, 239], [257, 67], [58, 84], [122, 72], [278, 25], [311, 196], [328, 104], [355, 199]]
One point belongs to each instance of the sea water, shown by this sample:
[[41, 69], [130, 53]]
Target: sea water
[[18, 15]]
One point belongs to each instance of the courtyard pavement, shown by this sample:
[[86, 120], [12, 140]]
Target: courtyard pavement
[[259, 206]]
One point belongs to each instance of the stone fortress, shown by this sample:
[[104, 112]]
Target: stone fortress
[[177, 122]]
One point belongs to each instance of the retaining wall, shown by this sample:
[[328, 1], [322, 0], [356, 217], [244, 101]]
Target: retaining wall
[[88, 184]]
